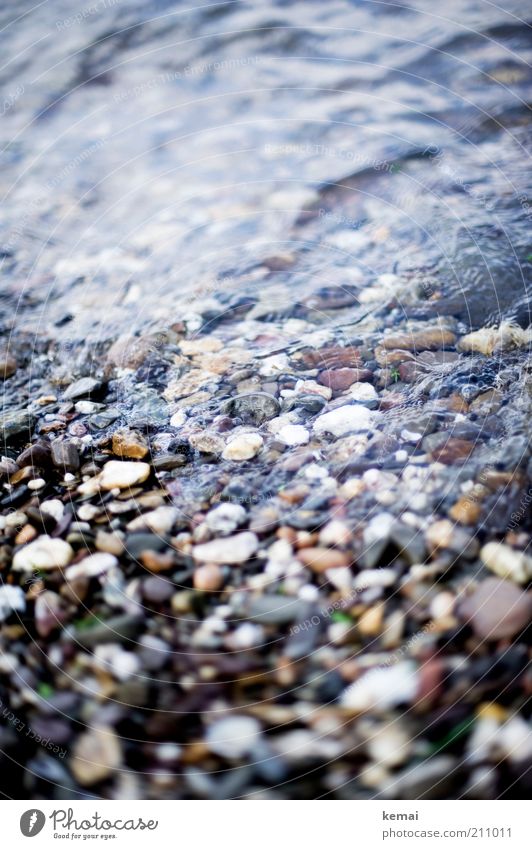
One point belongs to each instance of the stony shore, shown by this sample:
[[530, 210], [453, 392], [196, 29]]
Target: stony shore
[[269, 558]]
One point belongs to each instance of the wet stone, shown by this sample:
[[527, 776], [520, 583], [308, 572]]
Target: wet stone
[[252, 407], [82, 388], [16, 423], [65, 455]]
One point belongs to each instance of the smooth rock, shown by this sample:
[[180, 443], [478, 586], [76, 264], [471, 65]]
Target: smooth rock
[[235, 549], [496, 609], [89, 567], [11, 599], [383, 688], [82, 387], [208, 578], [244, 446], [44, 553], [344, 420], [96, 755], [118, 474], [506, 562], [421, 340], [225, 518], [320, 559], [233, 737], [65, 455], [293, 435]]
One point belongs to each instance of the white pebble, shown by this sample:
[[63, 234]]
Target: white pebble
[[293, 435], [344, 420]]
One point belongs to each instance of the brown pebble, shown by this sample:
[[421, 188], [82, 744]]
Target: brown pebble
[[342, 378], [452, 450], [156, 561], [320, 559], [496, 609], [466, 511], [208, 578], [421, 340], [8, 366], [332, 357], [129, 443]]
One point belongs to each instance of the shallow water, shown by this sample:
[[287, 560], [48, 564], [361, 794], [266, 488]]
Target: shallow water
[[154, 155]]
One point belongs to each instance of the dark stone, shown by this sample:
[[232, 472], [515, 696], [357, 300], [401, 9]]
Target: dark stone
[[65, 455], [37, 454], [82, 388], [135, 544], [252, 407]]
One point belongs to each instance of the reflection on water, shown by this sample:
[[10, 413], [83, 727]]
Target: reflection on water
[[155, 156]]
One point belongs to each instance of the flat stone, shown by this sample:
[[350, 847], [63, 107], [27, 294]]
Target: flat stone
[[293, 435], [344, 420], [11, 600], [65, 455], [208, 578], [341, 379], [37, 454], [453, 450], [235, 549], [15, 423], [94, 564], [320, 559], [496, 610], [81, 388], [118, 474], [420, 340], [44, 553]]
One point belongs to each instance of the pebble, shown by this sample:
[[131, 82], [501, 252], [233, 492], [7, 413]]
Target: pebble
[[235, 549], [342, 378], [244, 446], [383, 688], [80, 388], [123, 474], [96, 754], [44, 553], [253, 407], [65, 455], [344, 420], [129, 443], [422, 340], [496, 609], [208, 578], [506, 562], [320, 559], [390, 745], [233, 737], [293, 435], [159, 521], [466, 511], [207, 443], [49, 613], [94, 564], [11, 599], [363, 392], [8, 366], [225, 518]]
